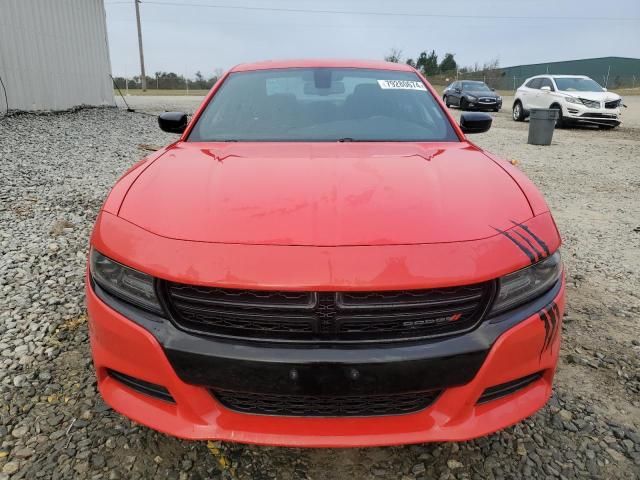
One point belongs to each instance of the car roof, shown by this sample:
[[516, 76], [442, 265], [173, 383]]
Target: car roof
[[551, 75], [318, 63]]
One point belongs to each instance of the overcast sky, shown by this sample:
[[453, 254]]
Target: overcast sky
[[190, 35]]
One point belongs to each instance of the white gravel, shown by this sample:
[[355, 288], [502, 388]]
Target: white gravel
[[56, 171]]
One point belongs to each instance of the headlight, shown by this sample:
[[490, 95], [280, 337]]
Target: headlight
[[499, 98], [123, 282], [527, 284], [573, 100], [472, 98]]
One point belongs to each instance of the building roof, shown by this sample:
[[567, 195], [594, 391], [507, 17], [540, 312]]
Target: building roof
[[570, 61]]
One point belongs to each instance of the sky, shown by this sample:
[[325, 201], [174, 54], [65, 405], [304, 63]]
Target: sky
[[186, 36]]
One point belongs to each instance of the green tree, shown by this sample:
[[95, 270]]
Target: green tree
[[200, 81], [427, 63], [448, 63]]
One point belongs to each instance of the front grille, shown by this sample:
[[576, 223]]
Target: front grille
[[487, 100], [326, 406], [612, 104], [327, 316], [590, 103]]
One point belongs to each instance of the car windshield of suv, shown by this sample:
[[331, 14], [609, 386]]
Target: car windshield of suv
[[323, 104], [577, 84], [475, 87]]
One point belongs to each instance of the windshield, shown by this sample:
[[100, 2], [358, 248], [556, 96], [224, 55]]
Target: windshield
[[323, 104], [577, 84], [475, 87]]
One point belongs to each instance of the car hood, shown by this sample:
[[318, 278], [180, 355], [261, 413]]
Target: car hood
[[482, 93], [597, 96], [324, 194]]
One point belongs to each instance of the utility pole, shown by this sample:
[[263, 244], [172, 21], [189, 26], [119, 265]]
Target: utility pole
[[143, 77]]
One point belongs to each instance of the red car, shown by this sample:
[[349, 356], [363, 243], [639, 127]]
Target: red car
[[324, 259]]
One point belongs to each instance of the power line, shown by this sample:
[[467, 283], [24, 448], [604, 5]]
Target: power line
[[377, 13]]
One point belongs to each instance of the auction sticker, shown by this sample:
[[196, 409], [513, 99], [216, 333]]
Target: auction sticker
[[401, 85]]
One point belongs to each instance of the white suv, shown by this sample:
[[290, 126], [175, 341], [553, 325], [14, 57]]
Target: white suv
[[577, 98]]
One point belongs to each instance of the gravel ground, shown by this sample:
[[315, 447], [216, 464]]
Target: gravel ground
[[55, 172]]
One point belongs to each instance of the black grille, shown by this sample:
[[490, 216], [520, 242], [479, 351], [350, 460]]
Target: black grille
[[612, 104], [326, 406], [327, 316], [599, 115]]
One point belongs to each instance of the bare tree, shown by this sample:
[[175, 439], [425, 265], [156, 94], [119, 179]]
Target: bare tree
[[394, 56]]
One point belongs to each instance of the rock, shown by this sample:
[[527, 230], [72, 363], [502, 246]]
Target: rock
[[521, 450], [10, 468], [98, 461], [617, 456], [566, 415], [454, 464], [24, 452], [20, 431]]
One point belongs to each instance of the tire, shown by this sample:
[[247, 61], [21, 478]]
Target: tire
[[464, 104], [445, 99], [560, 122], [518, 112]]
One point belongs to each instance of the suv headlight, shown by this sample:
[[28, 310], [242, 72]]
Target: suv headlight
[[527, 284], [573, 100], [123, 282]]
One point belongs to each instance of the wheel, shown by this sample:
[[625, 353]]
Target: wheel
[[445, 99], [464, 104], [518, 112], [559, 121]]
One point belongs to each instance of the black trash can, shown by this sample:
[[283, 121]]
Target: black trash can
[[542, 122]]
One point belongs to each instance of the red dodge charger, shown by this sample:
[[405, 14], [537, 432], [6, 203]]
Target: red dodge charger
[[323, 259]]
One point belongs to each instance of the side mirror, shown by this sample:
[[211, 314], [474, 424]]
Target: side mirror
[[458, 90], [475, 122], [173, 122], [546, 88], [493, 89]]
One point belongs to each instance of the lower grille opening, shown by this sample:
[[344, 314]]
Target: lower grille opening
[[504, 389], [151, 389], [326, 405]]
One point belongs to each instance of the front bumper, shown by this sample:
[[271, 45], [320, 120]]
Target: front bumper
[[595, 116], [485, 104], [500, 350]]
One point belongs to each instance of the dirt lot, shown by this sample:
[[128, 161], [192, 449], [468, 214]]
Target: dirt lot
[[56, 170]]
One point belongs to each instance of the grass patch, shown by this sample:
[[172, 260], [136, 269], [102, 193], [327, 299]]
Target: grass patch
[[162, 92]]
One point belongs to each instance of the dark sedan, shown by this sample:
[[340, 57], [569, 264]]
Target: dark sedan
[[472, 95]]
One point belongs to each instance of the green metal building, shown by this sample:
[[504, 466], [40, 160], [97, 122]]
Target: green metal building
[[611, 72]]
